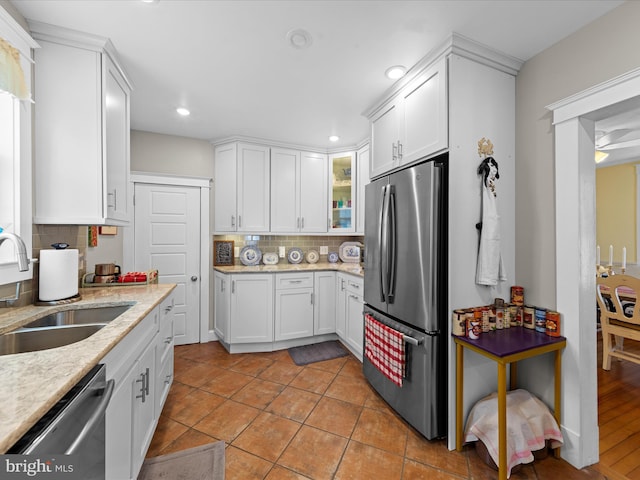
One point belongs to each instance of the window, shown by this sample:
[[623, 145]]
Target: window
[[15, 156]]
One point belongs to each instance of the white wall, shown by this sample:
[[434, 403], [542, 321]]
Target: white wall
[[481, 104]]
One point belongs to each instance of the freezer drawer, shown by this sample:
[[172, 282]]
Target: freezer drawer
[[422, 399]]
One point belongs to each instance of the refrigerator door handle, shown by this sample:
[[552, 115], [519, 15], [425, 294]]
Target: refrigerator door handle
[[391, 254], [382, 241]]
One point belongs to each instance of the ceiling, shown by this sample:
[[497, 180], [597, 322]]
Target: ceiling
[[231, 65]]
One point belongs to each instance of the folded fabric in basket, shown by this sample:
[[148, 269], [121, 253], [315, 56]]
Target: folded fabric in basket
[[529, 425], [384, 347]]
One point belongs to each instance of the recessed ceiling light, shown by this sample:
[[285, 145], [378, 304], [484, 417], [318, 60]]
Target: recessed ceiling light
[[150, 1], [334, 138], [183, 111], [299, 38], [395, 72]]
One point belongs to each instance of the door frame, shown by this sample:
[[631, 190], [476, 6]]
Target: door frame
[[204, 184], [574, 128]]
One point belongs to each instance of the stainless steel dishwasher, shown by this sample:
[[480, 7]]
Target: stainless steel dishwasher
[[74, 426]]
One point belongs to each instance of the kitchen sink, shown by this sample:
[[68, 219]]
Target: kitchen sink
[[31, 340], [81, 316], [59, 329]]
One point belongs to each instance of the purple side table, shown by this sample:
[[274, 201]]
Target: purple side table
[[506, 347]]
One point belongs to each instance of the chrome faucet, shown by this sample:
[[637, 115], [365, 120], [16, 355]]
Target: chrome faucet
[[23, 258]]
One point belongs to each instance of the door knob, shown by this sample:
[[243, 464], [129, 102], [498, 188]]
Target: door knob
[[194, 278]]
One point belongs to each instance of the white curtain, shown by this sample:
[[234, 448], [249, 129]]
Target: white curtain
[[11, 74]]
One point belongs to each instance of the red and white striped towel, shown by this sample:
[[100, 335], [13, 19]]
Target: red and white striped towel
[[384, 347]]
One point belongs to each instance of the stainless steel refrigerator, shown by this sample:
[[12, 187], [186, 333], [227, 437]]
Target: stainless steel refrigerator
[[405, 287]]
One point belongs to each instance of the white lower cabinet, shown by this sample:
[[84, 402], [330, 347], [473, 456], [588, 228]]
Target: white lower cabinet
[[222, 307], [142, 367], [263, 308], [293, 306], [251, 309], [324, 295], [349, 307]]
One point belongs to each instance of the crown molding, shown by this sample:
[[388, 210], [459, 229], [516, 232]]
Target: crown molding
[[292, 146], [75, 38]]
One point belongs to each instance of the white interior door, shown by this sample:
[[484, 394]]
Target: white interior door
[[167, 238]]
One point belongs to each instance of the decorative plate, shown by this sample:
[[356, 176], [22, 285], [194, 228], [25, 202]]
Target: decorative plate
[[312, 256], [270, 258], [333, 257], [250, 255], [295, 255], [350, 252]]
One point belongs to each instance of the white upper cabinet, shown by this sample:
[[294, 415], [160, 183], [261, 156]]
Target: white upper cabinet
[[342, 192], [242, 188], [362, 162], [225, 188], [82, 152], [298, 191], [412, 125]]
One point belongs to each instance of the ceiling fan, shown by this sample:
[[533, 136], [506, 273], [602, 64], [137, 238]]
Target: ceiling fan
[[620, 138]]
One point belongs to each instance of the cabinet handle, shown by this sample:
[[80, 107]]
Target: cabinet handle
[[302, 226], [222, 286], [399, 150], [168, 340], [239, 221], [328, 223], [355, 297], [147, 382], [342, 284], [295, 281], [354, 285], [312, 299], [233, 286], [298, 222], [114, 197], [167, 379], [142, 389], [394, 152], [233, 220]]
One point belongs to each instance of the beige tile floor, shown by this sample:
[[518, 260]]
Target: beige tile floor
[[321, 421]]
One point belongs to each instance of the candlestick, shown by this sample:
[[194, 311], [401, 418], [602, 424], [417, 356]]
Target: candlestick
[[610, 255], [624, 258]]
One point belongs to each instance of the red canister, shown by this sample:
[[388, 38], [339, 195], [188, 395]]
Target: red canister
[[517, 295], [553, 324]]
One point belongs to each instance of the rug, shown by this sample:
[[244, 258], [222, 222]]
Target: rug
[[205, 462], [317, 352]]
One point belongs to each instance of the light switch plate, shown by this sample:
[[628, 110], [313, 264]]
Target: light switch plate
[[236, 252], [281, 252], [324, 250]]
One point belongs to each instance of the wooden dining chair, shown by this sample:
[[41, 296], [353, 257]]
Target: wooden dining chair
[[619, 316]]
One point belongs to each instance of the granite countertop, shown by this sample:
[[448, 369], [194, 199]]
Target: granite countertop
[[284, 267], [33, 382]]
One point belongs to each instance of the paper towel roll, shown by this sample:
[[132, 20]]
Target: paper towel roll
[[58, 274]]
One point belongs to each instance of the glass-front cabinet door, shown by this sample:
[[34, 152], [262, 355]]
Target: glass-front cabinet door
[[342, 192]]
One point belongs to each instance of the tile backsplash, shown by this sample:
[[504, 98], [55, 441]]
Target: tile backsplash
[[270, 243]]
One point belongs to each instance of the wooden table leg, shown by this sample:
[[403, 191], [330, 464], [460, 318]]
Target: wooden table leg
[[557, 390], [459, 393], [502, 421]]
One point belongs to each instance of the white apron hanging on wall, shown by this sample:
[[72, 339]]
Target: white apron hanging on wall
[[490, 269]]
